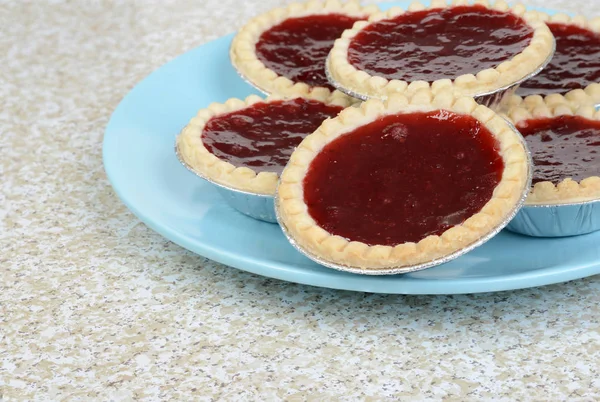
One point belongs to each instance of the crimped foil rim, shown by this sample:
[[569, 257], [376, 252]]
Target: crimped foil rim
[[562, 204]]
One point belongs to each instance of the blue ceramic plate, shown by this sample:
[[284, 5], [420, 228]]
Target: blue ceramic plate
[[142, 167]]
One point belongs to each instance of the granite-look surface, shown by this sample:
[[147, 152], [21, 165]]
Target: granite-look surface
[[94, 305]]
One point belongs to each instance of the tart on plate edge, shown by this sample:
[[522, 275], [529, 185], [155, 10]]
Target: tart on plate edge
[[564, 139], [244, 144], [283, 51]]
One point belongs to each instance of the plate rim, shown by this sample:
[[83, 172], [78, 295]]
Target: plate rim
[[349, 282]]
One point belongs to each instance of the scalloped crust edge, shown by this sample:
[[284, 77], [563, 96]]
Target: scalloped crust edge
[[509, 72], [568, 191], [204, 163], [308, 235], [243, 54]]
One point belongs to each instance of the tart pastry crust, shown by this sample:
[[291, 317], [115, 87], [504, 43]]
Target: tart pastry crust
[[591, 93], [204, 163], [507, 196], [243, 48], [510, 72], [567, 191]]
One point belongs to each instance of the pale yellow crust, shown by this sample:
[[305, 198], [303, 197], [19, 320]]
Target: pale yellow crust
[[568, 191], [509, 72], [315, 240], [197, 158], [591, 93], [243, 48]]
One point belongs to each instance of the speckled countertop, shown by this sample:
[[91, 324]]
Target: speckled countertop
[[94, 305]]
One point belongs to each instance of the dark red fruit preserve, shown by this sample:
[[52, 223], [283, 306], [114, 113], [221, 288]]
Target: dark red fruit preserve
[[576, 63], [403, 177], [298, 47], [440, 43], [264, 135], [563, 147]]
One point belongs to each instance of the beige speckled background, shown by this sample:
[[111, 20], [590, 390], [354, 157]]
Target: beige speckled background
[[94, 305]]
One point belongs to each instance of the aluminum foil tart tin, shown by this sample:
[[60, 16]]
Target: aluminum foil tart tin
[[491, 99], [257, 206], [560, 220], [419, 267]]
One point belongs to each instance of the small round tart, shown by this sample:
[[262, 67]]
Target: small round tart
[[283, 51], [564, 139], [576, 62], [402, 185], [244, 145], [472, 49]]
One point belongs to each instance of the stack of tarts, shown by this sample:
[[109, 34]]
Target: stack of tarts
[[389, 141]]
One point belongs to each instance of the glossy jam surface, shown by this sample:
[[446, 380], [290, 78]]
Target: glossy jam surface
[[441, 43], [403, 177], [298, 47], [563, 147], [263, 136], [576, 63]]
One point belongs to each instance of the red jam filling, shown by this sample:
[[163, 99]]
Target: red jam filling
[[263, 136], [563, 147], [576, 63], [403, 177], [441, 43], [298, 47]]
